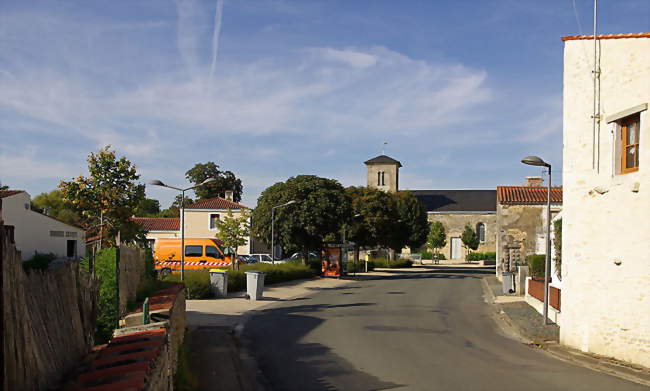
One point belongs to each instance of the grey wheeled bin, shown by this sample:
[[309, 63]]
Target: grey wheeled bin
[[507, 283], [254, 285], [219, 283]]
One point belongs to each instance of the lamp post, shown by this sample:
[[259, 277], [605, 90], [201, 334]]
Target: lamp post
[[273, 227], [156, 182], [537, 161]]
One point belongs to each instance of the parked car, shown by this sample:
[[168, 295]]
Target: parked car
[[244, 258], [266, 258], [297, 256]]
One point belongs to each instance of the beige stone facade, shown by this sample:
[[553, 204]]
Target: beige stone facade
[[454, 224], [606, 229], [383, 173], [197, 224]]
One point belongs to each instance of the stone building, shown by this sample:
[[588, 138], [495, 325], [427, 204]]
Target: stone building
[[606, 179], [454, 208], [521, 221]]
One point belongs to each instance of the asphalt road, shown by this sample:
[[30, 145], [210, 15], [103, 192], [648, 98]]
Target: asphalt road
[[424, 331]]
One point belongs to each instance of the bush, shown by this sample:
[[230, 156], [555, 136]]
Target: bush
[[439, 256], [398, 263], [39, 262], [536, 264], [197, 283], [107, 304], [361, 267], [482, 256], [426, 255]]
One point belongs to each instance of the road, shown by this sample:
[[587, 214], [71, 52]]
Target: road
[[408, 331]]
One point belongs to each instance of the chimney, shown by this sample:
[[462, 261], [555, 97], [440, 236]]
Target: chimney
[[533, 181], [229, 195]]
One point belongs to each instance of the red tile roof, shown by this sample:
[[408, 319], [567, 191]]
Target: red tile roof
[[606, 36], [9, 193], [158, 223], [527, 195], [216, 203]]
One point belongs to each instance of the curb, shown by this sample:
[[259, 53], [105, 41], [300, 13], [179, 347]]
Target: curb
[[597, 363]]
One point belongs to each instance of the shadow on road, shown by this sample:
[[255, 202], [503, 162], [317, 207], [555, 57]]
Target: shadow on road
[[277, 333]]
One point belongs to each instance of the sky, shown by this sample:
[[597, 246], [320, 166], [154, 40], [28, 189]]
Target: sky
[[270, 89]]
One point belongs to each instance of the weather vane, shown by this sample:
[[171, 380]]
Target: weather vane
[[383, 149]]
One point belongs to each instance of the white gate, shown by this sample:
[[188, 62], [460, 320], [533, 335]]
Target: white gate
[[456, 248]]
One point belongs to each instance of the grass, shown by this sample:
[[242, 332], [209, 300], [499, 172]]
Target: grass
[[185, 380]]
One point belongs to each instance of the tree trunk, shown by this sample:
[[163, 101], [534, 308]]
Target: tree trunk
[[305, 256]]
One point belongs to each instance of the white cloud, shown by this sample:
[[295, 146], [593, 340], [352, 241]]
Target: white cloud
[[354, 58]]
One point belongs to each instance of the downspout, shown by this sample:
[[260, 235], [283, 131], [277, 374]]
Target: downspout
[[595, 153]]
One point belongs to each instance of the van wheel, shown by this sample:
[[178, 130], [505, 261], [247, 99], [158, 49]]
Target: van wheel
[[164, 272]]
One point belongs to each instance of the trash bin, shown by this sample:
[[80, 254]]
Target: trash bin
[[219, 283], [254, 285], [507, 282]]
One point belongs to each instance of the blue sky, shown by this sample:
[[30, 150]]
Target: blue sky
[[461, 90]]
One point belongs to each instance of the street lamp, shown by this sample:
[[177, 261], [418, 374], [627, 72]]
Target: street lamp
[[273, 226], [156, 182], [537, 161]]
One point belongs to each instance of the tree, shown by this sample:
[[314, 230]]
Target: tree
[[225, 180], [322, 207], [469, 238], [234, 232], [377, 214], [54, 205], [412, 226], [148, 208], [437, 238], [110, 191], [174, 209]]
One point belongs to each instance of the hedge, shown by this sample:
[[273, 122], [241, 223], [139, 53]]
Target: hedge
[[197, 282], [107, 304], [475, 256], [398, 263], [536, 265], [361, 266]]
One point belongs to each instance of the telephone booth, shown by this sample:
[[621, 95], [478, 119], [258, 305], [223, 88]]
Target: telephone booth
[[332, 261]]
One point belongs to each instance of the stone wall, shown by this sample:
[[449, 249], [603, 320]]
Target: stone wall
[[48, 319], [454, 224], [132, 270], [605, 229]]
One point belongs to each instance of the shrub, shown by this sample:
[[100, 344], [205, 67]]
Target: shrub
[[107, 304], [536, 263], [197, 283], [482, 256], [439, 256], [398, 263], [39, 262], [426, 255], [361, 267]]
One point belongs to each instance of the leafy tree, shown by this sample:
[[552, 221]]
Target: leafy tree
[[175, 208], [110, 191], [148, 208], [225, 180], [437, 238], [411, 226], [377, 214], [4, 187], [234, 232], [469, 238], [54, 205], [322, 207]]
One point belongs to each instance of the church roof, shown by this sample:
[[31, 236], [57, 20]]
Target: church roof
[[457, 200], [383, 159]]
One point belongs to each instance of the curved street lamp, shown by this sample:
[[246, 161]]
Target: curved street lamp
[[537, 161], [157, 182]]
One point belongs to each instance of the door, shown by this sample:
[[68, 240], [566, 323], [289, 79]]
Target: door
[[71, 249], [456, 248]]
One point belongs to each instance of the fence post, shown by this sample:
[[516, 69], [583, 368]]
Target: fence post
[[145, 311], [117, 281]]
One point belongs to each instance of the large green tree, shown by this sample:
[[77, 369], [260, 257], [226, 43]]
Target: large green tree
[[111, 191], [322, 208], [148, 208], [54, 205], [376, 215], [411, 226], [225, 180]]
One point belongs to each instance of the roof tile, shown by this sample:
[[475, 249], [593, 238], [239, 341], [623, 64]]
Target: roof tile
[[605, 36], [216, 203], [527, 195], [9, 193], [158, 223]]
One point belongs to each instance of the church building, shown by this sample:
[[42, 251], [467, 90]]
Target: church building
[[453, 208]]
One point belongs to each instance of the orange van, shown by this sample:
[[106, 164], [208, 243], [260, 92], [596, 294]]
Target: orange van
[[200, 254]]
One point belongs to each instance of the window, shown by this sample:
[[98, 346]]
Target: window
[[214, 217], [212, 251], [480, 232], [193, 251], [378, 178], [629, 151], [69, 234], [58, 234], [383, 182]]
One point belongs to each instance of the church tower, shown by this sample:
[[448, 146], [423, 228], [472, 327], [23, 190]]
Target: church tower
[[383, 173]]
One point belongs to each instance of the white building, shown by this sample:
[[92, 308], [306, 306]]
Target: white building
[[35, 232], [606, 216]]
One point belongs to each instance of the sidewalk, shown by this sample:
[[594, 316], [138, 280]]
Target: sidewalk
[[525, 322]]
